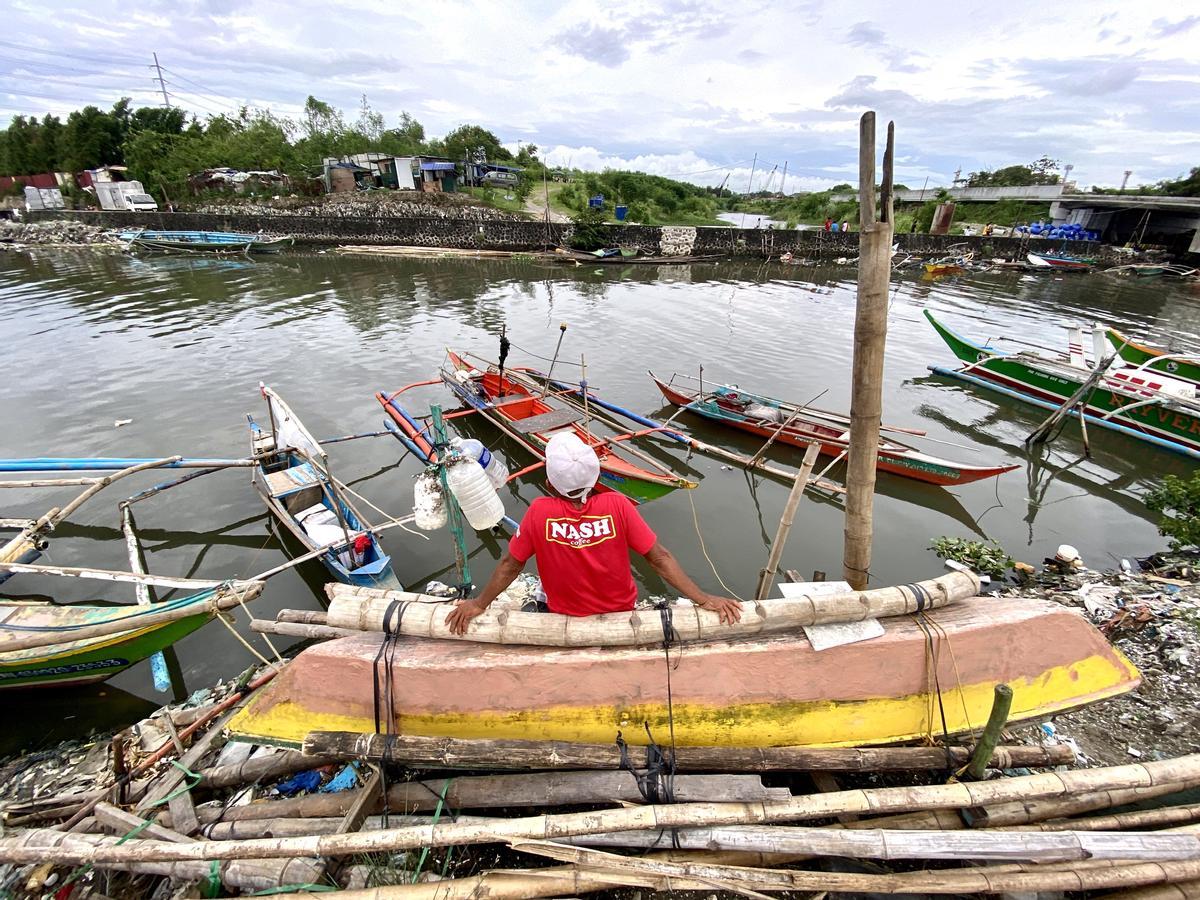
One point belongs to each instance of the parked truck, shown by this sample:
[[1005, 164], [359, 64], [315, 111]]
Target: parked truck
[[128, 195]]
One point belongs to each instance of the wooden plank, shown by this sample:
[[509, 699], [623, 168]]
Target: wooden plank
[[555, 418], [183, 812], [368, 797], [173, 777], [121, 823]]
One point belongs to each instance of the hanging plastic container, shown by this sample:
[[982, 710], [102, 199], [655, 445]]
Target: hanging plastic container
[[474, 492], [497, 471], [429, 503]]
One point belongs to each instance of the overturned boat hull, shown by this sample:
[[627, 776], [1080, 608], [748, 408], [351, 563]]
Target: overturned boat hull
[[774, 691]]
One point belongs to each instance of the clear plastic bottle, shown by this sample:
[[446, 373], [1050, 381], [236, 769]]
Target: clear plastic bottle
[[474, 492], [429, 504], [497, 471]]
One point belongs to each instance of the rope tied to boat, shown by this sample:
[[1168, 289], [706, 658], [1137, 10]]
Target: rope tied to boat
[[656, 782], [393, 618]]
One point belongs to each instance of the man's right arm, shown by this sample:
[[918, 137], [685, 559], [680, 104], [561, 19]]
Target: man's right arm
[[466, 610]]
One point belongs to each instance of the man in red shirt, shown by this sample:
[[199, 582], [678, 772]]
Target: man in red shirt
[[582, 542]]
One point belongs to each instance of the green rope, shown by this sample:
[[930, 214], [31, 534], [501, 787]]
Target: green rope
[[191, 779], [292, 889], [212, 885], [437, 814]]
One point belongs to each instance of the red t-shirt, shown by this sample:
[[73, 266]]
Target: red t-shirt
[[583, 554]]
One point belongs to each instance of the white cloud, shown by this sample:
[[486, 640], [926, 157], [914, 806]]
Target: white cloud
[[671, 86]]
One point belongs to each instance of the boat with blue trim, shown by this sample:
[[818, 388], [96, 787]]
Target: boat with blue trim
[[1141, 403], [205, 241], [292, 475]]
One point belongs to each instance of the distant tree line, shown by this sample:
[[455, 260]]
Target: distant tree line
[[651, 199], [162, 146]]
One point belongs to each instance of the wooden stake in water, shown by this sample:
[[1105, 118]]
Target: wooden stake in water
[[870, 333], [583, 386], [785, 522], [145, 596]]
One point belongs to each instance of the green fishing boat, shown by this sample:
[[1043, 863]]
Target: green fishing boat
[[45, 644], [1151, 407], [1185, 366]]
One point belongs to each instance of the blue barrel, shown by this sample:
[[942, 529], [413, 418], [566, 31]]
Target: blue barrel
[[621, 212]]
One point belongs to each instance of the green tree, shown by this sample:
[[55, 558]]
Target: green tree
[[473, 143], [94, 138], [1178, 502], [163, 119], [406, 139], [1040, 171], [1186, 186]]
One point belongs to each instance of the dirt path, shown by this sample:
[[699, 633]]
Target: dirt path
[[536, 207]]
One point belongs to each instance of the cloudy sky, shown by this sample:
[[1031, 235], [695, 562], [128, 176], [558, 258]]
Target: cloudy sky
[[687, 88]]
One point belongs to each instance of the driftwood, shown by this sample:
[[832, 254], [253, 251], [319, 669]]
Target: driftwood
[[422, 751], [239, 874], [285, 762], [364, 609], [820, 806], [498, 791]]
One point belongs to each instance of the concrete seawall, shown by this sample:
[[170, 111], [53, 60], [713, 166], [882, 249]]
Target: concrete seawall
[[529, 236]]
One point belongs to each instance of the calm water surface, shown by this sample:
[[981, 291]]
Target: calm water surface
[[179, 345]]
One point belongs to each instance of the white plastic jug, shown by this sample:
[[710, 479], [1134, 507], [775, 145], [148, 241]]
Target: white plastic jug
[[497, 471], [474, 492], [429, 505]]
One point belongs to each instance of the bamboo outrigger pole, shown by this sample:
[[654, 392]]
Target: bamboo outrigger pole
[[870, 332]]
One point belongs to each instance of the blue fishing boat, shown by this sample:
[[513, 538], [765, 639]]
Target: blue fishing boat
[[205, 241], [293, 477]]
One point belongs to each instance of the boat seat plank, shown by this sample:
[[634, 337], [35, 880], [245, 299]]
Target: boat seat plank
[[288, 481], [556, 418]]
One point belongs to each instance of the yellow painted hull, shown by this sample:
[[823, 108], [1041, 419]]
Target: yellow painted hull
[[768, 692]]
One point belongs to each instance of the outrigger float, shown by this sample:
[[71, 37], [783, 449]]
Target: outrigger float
[[758, 683], [799, 426], [1150, 406]]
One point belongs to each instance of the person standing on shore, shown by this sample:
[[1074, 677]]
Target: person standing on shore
[[828, 224]]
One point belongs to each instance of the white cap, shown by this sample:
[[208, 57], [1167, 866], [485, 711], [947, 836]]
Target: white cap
[[571, 466]]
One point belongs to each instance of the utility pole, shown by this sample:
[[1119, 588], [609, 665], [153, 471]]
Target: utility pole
[[1125, 180], [162, 86], [749, 184]]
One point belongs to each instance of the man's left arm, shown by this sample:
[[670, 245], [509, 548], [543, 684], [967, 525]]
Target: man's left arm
[[664, 563]]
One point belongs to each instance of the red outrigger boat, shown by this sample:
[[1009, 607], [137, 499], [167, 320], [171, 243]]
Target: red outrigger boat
[[531, 420], [799, 426]]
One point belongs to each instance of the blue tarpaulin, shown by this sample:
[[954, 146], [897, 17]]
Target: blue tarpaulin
[[437, 167]]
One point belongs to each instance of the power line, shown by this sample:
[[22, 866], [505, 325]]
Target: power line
[[208, 91], [92, 59], [193, 102], [38, 64]]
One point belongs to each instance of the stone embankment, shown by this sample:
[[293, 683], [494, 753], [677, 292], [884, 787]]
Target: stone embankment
[[368, 204], [18, 235], [524, 236]]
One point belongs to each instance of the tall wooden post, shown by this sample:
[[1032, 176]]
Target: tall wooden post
[[870, 333]]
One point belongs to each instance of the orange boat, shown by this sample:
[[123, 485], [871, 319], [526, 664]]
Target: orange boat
[[531, 420]]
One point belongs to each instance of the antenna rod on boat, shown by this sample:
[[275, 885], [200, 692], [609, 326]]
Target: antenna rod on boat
[[504, 345], [562, 330], [583, 386]]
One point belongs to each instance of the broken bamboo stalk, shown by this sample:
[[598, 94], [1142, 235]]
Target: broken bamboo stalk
[[365, 609], [237, 874], [1001, 705], [868, 800], [299, 630], [420, 751]]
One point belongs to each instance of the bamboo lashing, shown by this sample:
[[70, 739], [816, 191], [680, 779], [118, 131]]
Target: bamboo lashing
[[863, 801], [364, 609]]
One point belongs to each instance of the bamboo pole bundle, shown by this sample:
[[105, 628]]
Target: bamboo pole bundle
[[364, 609], [285, 762], [1142, 818], [421, 751], [237, 874], [1182, 890], [818, 806], [499, 791], [300, 630]]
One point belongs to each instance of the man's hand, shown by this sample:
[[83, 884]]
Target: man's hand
[[730, 611], [464, 611]]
